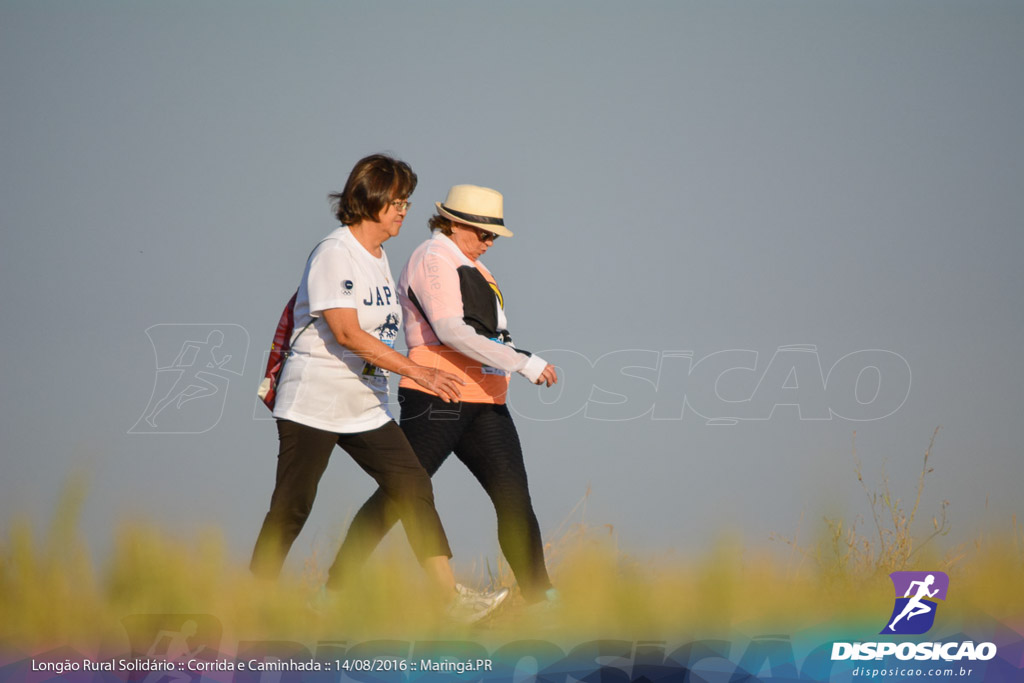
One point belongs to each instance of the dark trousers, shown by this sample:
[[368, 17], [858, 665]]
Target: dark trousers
[[383, 453], [484, 438]]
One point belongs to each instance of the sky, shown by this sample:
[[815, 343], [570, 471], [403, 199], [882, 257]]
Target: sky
[[763, 241]]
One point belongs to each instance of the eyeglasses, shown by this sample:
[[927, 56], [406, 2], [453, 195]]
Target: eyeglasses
[[401, 204], [485, 236]]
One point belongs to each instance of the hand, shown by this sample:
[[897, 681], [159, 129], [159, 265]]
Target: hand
[[444, 384], [548, 376]]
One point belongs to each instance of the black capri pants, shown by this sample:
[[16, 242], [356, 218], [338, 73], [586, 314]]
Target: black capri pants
[[383, 453], [483, 436]]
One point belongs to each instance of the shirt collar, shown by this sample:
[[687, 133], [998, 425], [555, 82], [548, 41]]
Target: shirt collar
[[448, 243]]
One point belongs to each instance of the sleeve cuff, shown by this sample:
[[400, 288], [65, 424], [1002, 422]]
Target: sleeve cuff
[[321, 306], [534, 366]]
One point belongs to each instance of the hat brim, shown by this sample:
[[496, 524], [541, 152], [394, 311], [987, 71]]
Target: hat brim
[[489, 227]]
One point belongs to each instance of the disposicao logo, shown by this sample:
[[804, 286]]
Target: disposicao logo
[[914, 612]]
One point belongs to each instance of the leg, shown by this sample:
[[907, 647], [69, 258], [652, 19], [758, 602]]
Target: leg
[[490, 449], [301, 461], [432, 439], [439, 569], [920, 609], [385, 454], [906, 609], [370, 524]]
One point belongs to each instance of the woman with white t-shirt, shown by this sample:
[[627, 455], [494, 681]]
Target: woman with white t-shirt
[[333, 389]]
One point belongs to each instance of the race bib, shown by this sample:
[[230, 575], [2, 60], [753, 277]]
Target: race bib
[[373, 374], [487, 369]]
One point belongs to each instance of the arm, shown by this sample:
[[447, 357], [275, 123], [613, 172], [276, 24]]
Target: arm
[[344, 324], [456, 334]]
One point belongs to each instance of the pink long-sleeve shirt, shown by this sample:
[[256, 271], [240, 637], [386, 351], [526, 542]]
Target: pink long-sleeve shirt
[[443, 339]]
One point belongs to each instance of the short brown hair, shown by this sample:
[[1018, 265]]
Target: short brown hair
[[438, 222], [374, 182]]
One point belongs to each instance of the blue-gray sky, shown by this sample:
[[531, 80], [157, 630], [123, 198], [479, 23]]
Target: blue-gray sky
[[720, 178]]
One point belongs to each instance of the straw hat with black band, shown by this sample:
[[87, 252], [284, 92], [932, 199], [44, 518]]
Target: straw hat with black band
[[478, 206]]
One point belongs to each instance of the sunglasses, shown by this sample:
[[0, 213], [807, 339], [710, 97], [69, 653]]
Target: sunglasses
[[484, 235]]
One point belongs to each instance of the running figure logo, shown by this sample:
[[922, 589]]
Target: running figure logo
[[174, 639], [194, 366], [914, 612]]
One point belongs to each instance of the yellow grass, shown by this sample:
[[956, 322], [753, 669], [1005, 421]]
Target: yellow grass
[[52, 598], [52, 593]]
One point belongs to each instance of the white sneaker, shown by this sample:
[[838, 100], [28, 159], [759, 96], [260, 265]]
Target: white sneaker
[[471, 606]]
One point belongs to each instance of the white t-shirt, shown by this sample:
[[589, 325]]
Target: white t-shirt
[[323, 384]]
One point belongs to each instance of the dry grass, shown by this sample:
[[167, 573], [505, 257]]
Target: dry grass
[[52, 593], [844, 551]]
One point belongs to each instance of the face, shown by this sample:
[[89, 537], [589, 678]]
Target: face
[[392, 216], [471, 241]]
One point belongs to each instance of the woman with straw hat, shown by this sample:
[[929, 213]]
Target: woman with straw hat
[[455, 321]]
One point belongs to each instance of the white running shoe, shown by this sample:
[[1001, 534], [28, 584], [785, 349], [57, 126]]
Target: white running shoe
[[471, 606]]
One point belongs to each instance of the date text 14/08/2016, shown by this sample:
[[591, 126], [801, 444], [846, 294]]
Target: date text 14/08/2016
[[446, 665]]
